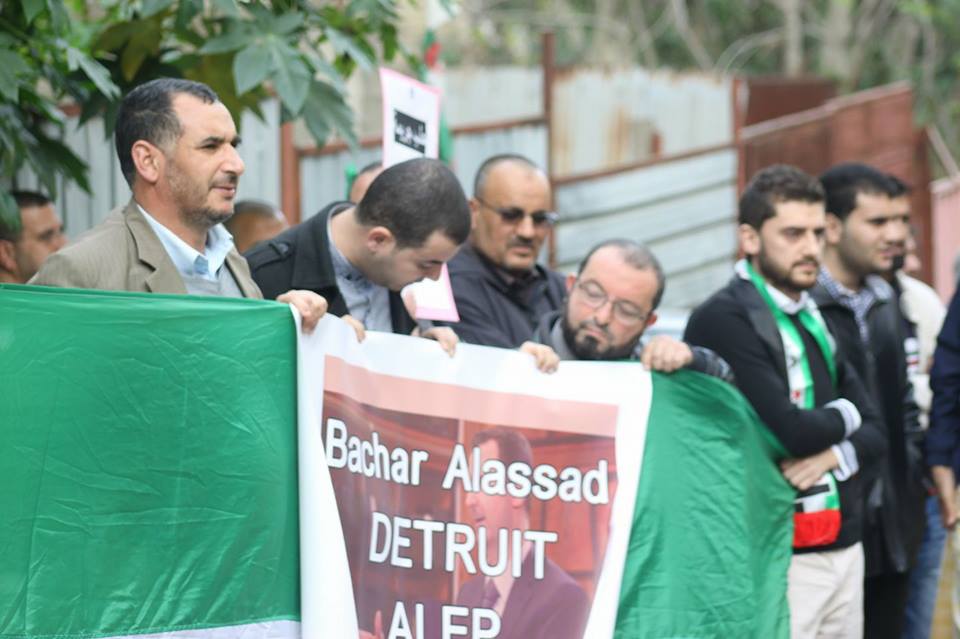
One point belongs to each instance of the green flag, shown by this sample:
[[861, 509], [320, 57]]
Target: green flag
[[149, 461], [711, 537], [148, 456]]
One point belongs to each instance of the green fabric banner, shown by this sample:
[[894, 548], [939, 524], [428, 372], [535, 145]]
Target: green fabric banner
[[148, 457], [149, 462], [711, 538]]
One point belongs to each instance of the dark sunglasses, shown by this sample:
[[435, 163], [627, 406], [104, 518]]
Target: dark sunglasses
[[514, 214]]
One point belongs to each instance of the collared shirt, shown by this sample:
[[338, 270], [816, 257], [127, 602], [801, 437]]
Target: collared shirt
[[783, 301], [504, 581], [367, 302], [860, 302], [190, 262]]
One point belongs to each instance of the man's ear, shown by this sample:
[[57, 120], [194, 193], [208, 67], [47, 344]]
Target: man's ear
[[148, 160], [570, 281], [834, 229], [8, 258], [651, 320], [749, 239], [474, 212], [379, 239]]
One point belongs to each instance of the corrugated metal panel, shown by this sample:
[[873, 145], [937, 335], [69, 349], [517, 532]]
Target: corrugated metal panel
[[946, 235], [604, 119], [684, 210], [470, 97], [322, 177], [470, 150], [260, 151], [108, 189]]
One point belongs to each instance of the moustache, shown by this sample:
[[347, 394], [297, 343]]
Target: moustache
[[230, 180], [520, 242], [813, 263], [592, 324]]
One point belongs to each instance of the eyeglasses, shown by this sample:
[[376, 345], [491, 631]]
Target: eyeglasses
[[514, 214], [595, 297]]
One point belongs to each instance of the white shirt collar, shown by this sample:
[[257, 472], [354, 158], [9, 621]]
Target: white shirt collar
[[784, 302], [189, 261]]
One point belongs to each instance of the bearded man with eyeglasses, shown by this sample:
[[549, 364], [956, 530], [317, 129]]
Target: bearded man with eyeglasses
[[500, 290], [612, 301]]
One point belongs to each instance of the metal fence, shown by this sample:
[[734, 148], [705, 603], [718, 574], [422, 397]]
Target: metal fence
[[682, 208], [946, 234], [873, 126], [322, 173]]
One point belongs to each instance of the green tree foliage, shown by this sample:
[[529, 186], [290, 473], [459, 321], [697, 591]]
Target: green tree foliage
[[42, 62], [92, 53]]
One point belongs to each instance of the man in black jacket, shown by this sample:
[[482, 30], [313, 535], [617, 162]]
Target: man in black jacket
[[765, 325], [612, 300], [411, 221], [867, 226], [500, 290]]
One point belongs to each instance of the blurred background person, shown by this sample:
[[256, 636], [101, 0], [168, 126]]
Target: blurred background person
[[28, 239], [253, 222], [358, 184]]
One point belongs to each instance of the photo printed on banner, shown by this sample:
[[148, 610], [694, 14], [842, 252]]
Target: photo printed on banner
[[409, 131]]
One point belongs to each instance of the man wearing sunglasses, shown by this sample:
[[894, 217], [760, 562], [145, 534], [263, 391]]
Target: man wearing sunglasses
[[612, 301], [500, 290]]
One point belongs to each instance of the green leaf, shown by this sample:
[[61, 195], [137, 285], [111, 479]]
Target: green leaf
[[236, 38], [388, 38], [145, 43], [32, 8], [10, 212], [345, 44], [216, 71], [115, 36], [57, 154], [286, 23], [11, 65], [187, 10], [97, 73], [326, 110], [291, 76], [228, 8], [153, 7], [59, 17], [251, 67], [324, 67]]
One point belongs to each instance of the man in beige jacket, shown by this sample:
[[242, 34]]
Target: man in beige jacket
[[176, 143]]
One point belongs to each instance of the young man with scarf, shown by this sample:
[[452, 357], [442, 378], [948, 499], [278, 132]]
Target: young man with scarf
[[785, 361]]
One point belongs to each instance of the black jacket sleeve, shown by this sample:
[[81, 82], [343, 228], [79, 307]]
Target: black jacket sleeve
[[723, 326], [943, 437], [870, 440]]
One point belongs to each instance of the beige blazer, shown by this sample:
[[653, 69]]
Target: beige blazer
[[124, 254]]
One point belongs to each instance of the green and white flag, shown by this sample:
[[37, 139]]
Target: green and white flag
[[148, 449]]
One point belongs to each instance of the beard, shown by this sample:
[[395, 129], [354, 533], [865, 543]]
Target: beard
[[588, 348], [780, 278], [205, 217], [191, 198]]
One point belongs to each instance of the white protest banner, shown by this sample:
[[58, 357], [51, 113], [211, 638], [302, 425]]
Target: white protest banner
[[411, 118], [476, 496]]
